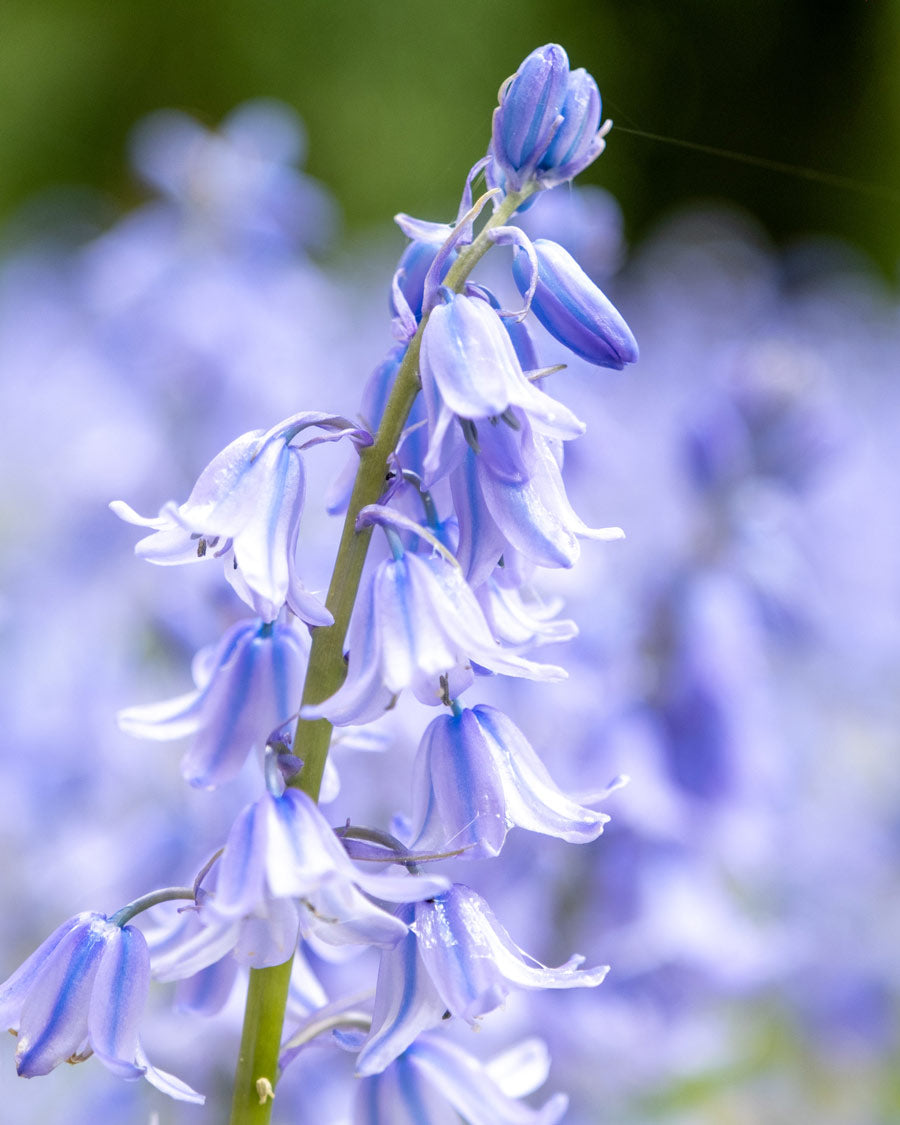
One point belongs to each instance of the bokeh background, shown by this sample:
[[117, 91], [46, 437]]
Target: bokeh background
[[393, 96], [164, 290]]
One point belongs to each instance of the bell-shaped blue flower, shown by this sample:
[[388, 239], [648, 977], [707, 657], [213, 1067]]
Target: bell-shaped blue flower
[[434, 1080], [498, 507], [546, 128], [83, 992], [285, 847], [470, 370], [246, 507], [476, 776], [457, 958], [518, 617], [414, 623], [573, 309], [247, 685], [284, 872]]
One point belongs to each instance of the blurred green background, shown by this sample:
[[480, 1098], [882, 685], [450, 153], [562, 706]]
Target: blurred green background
[[397, 96]]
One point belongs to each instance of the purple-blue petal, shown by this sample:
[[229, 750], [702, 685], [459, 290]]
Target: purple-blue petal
[[573, 309]]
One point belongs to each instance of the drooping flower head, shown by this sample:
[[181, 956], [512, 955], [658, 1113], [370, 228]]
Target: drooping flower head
[[476, 776], [83, 992], [434, 1080], [457, 958], [246, 508], [283, 872], [246, 686], [572, 308], [415, 624], [470, 371]]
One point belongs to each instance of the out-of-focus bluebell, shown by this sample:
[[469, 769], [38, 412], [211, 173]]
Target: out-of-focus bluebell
[[434, 1081], [238, 183]]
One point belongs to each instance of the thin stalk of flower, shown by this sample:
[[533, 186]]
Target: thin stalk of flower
[[267, 994]]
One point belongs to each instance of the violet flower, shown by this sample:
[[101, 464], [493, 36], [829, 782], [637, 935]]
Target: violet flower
[[433, 1078], [572, 308], [529, 511], [476, 776], [283, 871], [415, 623], [470, 370], [83, 992], [457, 958], [546, 128], [247, 685], [246, 507]]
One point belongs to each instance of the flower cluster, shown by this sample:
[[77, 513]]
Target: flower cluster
[[458, 476]]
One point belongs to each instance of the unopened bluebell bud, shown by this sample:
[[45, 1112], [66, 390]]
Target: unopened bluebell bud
[[527, 117], [546, 128], [572, 308], [578, 140]]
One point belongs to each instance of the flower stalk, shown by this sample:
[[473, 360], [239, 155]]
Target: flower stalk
[[267, 995]]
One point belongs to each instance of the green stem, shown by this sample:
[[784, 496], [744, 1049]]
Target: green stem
[[267, 996], [257, 1067], [169, 894]]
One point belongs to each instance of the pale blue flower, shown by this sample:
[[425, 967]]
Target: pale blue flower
[[456, 958], [476, 776], [434, 1080], [470, 370], [415, 622], [284, 872], [83, 992], [247, 685], [529, 511], [246, 508]]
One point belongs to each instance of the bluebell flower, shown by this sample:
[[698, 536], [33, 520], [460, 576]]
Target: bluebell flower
[[415, 622], [573, 309], [83, 992], [285, 846], [434, 1080], [546, 128], [470, 370], [246, 508], [246, 686], [518, 617], [282, 872], [529, 511], [427, 239], [456, 958], [476, 776], [236, 186]]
